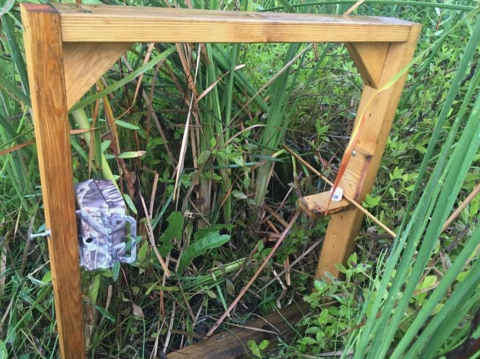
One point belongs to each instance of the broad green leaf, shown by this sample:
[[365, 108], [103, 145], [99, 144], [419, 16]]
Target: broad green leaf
[[202, 232], [204, 155], [3, 350], [116, 271], [104, 312], [129, 203], [105, 145], [125, 124], [199, 247], [174, 230], [131, 154], [239, 194], [142, 253]]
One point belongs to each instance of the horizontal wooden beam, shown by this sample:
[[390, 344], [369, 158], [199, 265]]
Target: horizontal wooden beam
[[234, 343], [105, 23]]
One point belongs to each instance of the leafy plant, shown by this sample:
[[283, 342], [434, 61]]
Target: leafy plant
[[204, 241], [258, 349]]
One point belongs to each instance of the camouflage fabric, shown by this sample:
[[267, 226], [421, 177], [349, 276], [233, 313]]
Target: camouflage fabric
[[101, 225]]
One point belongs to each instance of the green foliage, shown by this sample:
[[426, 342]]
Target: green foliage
[[334, 310], [397, 299], [258, 350], [204, 241], [173, 231], [436, 203]]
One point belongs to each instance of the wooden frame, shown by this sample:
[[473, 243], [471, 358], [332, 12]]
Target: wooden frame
[[61, 41]]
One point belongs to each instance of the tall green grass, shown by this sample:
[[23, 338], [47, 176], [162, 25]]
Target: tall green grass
[[420, 232]]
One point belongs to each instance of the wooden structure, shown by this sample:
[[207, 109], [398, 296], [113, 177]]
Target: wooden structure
[[62, 41]]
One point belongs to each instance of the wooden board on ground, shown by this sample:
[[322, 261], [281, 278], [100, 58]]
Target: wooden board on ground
[[233, 343]]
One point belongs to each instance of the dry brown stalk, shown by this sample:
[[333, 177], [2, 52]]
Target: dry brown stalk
[[151, 238], [183, 148], [462, 206], [290, 266], [153, 114], [3, 262], [354, 7]]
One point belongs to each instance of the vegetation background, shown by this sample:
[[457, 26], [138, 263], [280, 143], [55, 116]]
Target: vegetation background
[[216, 210]]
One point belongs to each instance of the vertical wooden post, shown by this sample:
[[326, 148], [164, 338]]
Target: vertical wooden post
[[344, 227], [44, 52]]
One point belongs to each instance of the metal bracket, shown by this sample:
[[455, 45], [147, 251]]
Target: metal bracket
[[47, 234], [337, 195]]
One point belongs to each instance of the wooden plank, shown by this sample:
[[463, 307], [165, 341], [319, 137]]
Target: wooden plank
[[369, 59], [344, 227], [103, 23], [233, 343], [43, 48], [315, 206], [85, 63], [354, 176], [318, 205]]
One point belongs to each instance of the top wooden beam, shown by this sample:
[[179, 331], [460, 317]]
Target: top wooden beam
[[105, 23]]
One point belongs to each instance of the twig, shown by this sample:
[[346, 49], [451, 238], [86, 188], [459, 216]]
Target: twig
[[314, 245], [154, 116], [152, 240], [462, 206], [3, 263], [183, 148], [27, 244], [257, 273], [152, 196], [354, 7], [187, 304], [155, 346], [347, 197], [284, 289], [170, 327]]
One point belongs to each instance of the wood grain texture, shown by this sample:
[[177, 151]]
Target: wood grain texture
[[368, 56], [233, 343], [355, 173], [315, 205], [43, 48], [319, 205], [85, 63], [103, 23], [344, 227]]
